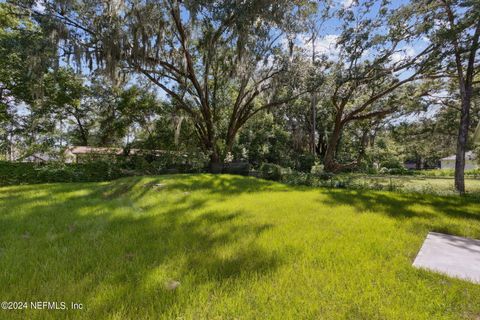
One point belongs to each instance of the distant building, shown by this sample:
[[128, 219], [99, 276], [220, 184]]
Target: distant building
[[36, 158], [470, 161], [476, 137], [83, 153]]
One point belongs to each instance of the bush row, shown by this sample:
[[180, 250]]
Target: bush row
[[474, 173], [12, 173], [319, 178], [20, 173], [316, 178]]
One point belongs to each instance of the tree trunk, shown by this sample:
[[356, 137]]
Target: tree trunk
[[83, 134], [363, 145], [462, 142], [321, 147], [314, 124], [329, 160], [231, 135], [216, 165], [313, 101], [178, 127]]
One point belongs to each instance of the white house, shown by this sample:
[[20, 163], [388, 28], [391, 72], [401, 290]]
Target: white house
[[476, 137], [470, 161]]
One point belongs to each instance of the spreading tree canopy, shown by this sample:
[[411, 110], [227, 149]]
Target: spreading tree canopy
[[216, 59]]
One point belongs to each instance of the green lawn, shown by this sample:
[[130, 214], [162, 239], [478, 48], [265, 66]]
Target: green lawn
[[241, 248]]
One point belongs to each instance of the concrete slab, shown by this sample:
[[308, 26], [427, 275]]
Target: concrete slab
[[451, 255]]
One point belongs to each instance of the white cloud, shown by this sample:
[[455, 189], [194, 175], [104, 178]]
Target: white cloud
[[39, 6], [405, 53], [325, 45], [347, 3]]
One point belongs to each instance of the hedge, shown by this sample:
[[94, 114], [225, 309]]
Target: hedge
[[12, 173]]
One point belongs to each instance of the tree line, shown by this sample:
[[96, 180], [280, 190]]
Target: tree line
[[351, 85]]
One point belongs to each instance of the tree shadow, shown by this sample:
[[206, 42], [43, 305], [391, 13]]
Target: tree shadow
[[118, 243], [402, 205], [223, 185], [103, 236], [467, 244]]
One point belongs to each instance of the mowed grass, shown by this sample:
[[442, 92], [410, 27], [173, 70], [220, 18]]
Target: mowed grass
[[240, 248]]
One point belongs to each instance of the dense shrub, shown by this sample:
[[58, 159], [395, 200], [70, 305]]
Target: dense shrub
[[305, 162], [317, 169], [344, 180], [319, 172], [475, 173], [436, 173], [392, 163], [240, 168], [396, 171], [165, 163], [297, 178], [271, 171], [18, 173]]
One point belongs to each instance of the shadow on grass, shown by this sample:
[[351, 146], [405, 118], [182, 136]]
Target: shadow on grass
[[223, 185], [425, 212], [97, 247], [401, 205], [115, 236]]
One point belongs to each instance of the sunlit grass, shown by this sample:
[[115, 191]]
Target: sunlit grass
[[227, 247]]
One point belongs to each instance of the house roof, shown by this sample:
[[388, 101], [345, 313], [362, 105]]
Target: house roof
[[469, 155], [40, 156], [90, 150], [110, 151]]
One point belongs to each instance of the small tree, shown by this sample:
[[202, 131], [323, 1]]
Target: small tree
[[454, 26]]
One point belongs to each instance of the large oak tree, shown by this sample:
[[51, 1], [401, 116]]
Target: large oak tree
[[377, 72], [217, 60]]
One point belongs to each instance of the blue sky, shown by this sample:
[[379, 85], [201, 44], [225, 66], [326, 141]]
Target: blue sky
[[329, 31]]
